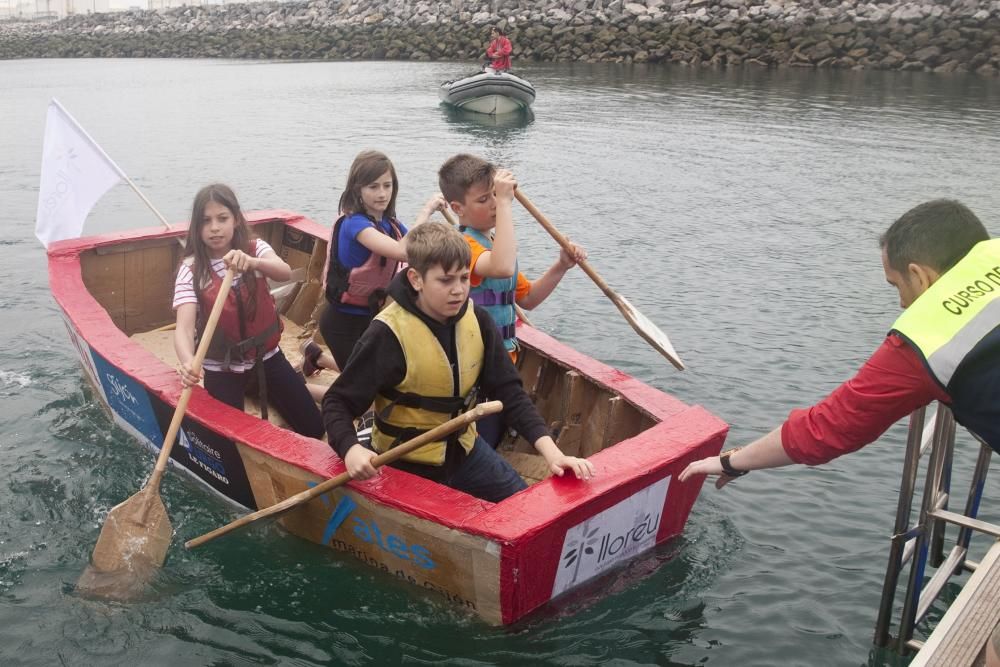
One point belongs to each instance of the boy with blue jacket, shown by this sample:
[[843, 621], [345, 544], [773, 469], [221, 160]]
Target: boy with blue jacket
[[482, 196]]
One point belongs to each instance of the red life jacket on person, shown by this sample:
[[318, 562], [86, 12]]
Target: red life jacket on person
[[243, 334], [499, 52], [365, 285]]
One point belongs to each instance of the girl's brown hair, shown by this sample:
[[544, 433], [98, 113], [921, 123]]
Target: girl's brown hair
[[202, 268], [366, 168]]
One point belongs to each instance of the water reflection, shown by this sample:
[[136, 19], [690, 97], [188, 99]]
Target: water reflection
[[495, 133], [487, 126], [659, 582]]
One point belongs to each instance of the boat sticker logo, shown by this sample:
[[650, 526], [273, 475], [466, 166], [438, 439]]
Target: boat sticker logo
[[204, 457], [370, 532], [611, 537], [121, 391], [128, 401], [571, 556], [341, 511]]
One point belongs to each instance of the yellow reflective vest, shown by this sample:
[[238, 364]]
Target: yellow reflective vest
[[955, 327], [428, 395]]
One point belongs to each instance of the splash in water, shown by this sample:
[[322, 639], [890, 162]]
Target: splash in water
[[129, 584], [9, 379]]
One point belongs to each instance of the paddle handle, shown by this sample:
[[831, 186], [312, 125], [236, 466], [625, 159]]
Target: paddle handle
[[517, 309], [199, 358], [382, 459]]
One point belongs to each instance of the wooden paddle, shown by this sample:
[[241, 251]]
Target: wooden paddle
[[517, 309], [639, 322], [137, 532], [382, 459]]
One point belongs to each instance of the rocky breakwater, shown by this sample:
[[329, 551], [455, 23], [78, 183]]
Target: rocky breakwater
[[940, 36]]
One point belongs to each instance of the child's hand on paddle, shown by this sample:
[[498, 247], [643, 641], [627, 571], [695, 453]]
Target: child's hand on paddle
[[569, 260], [188, 377], [504, 184], [359, 462], [435, 203], [239, 260]]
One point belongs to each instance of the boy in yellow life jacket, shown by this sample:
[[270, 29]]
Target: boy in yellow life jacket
[[425, 359]]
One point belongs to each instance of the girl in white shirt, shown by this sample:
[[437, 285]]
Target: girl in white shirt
[[246, 339]]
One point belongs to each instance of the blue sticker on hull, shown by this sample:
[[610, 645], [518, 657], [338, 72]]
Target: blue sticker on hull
[[128, 399], [210, 456]]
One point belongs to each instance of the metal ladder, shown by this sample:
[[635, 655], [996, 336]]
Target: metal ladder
[[922, 543]]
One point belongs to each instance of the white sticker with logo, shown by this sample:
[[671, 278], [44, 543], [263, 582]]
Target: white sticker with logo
[[611, 537]]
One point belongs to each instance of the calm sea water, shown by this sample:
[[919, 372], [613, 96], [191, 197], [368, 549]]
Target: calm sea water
[[739, 210]]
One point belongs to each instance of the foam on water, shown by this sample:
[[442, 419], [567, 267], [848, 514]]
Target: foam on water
[[13, 379]]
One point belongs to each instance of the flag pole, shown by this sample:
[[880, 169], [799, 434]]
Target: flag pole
[[114, 164]]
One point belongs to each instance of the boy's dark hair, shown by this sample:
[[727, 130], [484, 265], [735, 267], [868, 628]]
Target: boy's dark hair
[[436, 243], [366, 168], [460, 172], [937, 234]]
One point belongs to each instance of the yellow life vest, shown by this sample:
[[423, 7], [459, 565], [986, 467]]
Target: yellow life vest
[[427, 396], [949, 320]]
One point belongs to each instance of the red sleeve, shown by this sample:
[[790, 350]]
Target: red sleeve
[[893, 383]]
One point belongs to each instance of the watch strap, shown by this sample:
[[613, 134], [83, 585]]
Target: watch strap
[[727, 467]]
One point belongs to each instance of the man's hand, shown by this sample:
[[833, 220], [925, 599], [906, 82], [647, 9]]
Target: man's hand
[[710, 466]]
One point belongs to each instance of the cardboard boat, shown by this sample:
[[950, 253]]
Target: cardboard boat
[[500, 560]]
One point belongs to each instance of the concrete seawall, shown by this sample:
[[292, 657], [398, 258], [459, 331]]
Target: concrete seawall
[[943, 36]]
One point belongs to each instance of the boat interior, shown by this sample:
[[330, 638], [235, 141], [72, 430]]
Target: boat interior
[[134, 282]]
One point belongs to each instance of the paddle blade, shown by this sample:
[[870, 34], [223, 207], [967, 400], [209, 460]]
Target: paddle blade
[[136, 534], [645, 328], [126, 585]]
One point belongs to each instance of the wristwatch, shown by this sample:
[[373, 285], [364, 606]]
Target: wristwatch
[[727, 467]]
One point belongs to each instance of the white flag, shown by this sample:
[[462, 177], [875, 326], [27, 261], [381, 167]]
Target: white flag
[[75, 174]]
